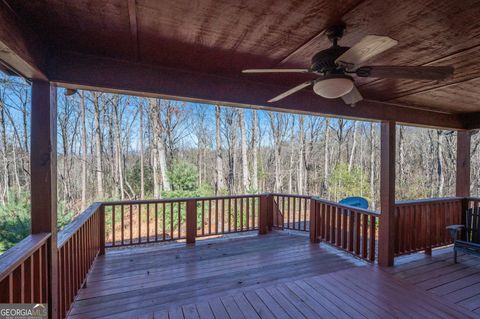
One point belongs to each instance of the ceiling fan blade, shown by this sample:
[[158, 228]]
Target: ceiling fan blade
[[352, 97], [406, 72], [366, 49], [276, 71], [291, 91]]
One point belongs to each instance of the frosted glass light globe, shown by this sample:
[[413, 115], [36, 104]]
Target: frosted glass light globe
[[333, 87]]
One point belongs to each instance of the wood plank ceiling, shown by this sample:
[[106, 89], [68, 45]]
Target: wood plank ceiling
[[225, 36]]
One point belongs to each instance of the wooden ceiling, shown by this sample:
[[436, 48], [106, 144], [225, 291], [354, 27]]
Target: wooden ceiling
[[222, 37]]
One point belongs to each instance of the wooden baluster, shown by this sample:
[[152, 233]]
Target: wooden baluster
[[229, 214], [254, 205], [139, 223], [338, 213], [131, 224], [294, 213], [203, 218], [364, 235], [113, 225], [327, 222], [288, 211], [148, 223], [241, 213], [156, 221], [216, 216], [164, 228], [333, 211], [179, 215], [305, 207], [373, 221], [223, 215], [100, 214], [344, 227], [122, 215], [171, 220], [398, 230], [357, 233], [247, 203], [351, 222], [209, 217]]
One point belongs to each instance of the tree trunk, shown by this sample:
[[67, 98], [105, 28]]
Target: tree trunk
[[441, 176], [301, 157], [254, 183], [354, 145], [142, 160], [84, 150], [220, 180], [243, 133], [118, 145], [154, 115], [326, 156], [372, 164], [98, 146]]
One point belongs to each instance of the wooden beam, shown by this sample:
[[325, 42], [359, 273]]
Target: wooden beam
[[386, 239], [20, 49], [43, 174], [471, 120], [81, 71], [462, 185], [132, 15]]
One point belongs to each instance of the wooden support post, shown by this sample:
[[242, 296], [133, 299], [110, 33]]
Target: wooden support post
[[262, 215], [102, 230], [270, 211], [43, 174], [462, 185], [386, 241], [314, 221], [191, 221]]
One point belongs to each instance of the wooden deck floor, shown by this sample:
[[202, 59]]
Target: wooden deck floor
[[271, 276], [437, 274]]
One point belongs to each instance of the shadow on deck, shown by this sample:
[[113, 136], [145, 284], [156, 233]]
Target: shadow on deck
[[279, 275]]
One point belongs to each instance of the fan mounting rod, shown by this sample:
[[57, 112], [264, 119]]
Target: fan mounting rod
[[335, 32]]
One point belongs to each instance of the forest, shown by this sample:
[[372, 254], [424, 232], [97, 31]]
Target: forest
[[113, 146]]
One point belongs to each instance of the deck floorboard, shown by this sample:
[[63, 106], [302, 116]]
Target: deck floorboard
[[277, 276]]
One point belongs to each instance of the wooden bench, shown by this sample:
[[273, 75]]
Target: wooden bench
[[470, 241]]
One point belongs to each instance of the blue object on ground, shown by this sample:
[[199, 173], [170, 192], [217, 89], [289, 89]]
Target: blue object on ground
[[355, 202]]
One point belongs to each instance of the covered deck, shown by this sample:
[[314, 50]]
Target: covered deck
[[279, 275], [173, 49]]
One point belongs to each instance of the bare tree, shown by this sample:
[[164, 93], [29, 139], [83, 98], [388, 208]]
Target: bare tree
[[243, 134], [220, 181], [254, 183]]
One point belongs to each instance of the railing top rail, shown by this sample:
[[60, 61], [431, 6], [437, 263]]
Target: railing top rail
[[291, 195], [427, 201], [473, 198], [13, 257], [65, 234], [174, 200], [356, 209]]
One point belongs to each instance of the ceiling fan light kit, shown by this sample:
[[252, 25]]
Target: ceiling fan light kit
[[333, 86], [334, 65]]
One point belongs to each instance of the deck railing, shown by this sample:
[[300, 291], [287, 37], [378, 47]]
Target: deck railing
[[291, 211], [24, 271], [79, 244], [147, 221], [421, 224], [348, 228]]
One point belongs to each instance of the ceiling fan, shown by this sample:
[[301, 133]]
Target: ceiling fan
[[335, 65]]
